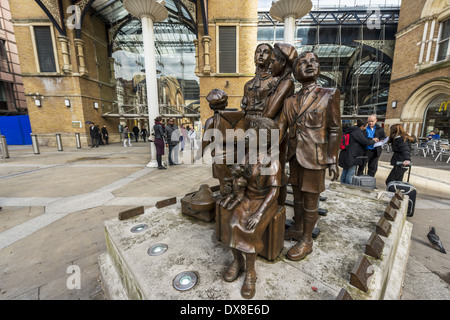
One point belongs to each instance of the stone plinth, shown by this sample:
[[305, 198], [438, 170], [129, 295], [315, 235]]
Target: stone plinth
[[128, 272]]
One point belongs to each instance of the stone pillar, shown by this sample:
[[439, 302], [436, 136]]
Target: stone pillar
[[206, 45], [197, 60], [67, 67], [287, 11], [149, 11], [79, 44], [112, 73]]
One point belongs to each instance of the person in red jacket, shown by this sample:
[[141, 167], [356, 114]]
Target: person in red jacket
[[348, 158]]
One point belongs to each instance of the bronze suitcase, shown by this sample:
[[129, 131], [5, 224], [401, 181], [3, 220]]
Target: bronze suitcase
[[200, 204], [272, 245]]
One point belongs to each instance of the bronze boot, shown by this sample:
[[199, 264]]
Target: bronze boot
[[235, 268], [304, 247], [300, 250], [295, 232], [248, 289]]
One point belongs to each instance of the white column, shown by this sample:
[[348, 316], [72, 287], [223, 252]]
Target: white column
[[149, 11], [151, 80], [289, 29], [287, 11]]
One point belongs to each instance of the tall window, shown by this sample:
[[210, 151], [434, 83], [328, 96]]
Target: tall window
[[227, 49], [443, 43], [44, 47], [4, 65], [6, 96]]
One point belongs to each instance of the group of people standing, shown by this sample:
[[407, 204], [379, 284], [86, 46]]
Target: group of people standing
[[174, 138], [98, 136], [136, 132], [101, 136], [361, 151]]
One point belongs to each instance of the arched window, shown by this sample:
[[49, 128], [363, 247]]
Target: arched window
[[437, 116]]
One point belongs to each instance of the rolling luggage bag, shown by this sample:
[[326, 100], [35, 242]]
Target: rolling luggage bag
[[364, 181], [407, 189]]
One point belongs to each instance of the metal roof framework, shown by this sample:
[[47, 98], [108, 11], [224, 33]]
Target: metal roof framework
[[358, 63]]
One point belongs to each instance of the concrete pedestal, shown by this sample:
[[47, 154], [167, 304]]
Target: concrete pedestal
[[129, 272]]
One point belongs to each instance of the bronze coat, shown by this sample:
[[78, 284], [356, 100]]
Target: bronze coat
[[314, 127]]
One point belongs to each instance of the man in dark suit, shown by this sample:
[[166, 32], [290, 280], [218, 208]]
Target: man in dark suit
[[314, 122], [105, 134], [94, 132], [136, 132], [373, 131]]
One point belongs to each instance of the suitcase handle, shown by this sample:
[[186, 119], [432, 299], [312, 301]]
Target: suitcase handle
[[400, 163]]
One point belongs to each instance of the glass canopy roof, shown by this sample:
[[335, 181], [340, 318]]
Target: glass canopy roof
[[112, 12], [264, 5]]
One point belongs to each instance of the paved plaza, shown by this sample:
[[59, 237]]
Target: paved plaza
[[54, 205]]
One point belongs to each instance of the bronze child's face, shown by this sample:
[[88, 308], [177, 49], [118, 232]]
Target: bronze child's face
[[262, 55], [276, 67], [307, 68]]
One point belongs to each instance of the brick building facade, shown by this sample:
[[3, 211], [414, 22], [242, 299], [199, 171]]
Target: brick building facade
[[12, 95], [419, 94], [66, 71]]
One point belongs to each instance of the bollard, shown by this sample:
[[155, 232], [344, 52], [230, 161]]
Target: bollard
[[58, 142], [77, 138], [5, 152], [35, 144]]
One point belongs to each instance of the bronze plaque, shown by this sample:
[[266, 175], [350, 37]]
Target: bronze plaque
[[383, 227], [374, 246], [395, 203], [165, 203], [361, 273], [344, 295], [399, 194], [131, 213], [390, 213]]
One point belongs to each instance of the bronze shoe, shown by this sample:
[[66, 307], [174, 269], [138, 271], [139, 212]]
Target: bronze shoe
[[233, 271], [248, 289], [292, 233], [300, 250]]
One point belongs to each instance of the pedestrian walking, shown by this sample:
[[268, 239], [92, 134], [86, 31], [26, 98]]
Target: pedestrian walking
[[136, 133], [159, 132], [144, 133], [94, 132], [173, 141], [105, 134], [192, 136], [183, 137], [401, 148], [126, 137], [100, 139]]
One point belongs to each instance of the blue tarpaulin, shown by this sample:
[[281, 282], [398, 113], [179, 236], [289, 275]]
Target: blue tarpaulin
[[16, 129]]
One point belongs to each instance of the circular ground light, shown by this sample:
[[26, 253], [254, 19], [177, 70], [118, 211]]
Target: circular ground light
[[139, 228], [185, 280], [157, 249]]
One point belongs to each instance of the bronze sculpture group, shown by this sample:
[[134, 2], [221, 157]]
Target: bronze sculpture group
[[308, 124]]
